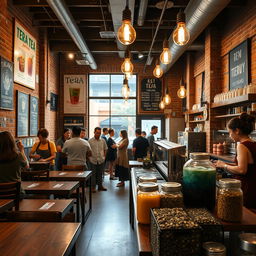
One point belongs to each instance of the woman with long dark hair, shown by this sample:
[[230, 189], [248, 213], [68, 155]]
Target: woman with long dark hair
[[111, 153], [122, 165], [244, 168], [12, 158]]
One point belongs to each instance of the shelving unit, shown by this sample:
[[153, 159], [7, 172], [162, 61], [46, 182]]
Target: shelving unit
[[197, 121], [228, 115]]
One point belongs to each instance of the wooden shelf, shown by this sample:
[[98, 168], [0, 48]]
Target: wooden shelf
[[235, 101], [228, 115], [196, 121], [191, 112]]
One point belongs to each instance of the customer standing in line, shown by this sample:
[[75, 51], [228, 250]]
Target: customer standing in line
[[111, 153], [151, 139], [122, 165], [244, 168], [140, 145], [104, 134], [44, 150], [97, 160]]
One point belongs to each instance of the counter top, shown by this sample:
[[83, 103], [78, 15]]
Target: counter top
[[224, 157]]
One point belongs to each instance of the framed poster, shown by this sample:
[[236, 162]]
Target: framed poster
[[25, 46], [6, 81], [53, 101], [22, 114], [238, 66], [33, 121], [150, 93], [74, 94]]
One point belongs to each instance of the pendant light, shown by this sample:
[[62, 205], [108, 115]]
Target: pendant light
[[161, 104], [158, 72], [167, 97], [128, 75], [165, 56], [126, 33], [127, 66], [181, 34], [182, 92], [125, 89]]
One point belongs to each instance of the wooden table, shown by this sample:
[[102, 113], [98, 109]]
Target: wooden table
[[38, 238], [63, 189], [6, 204], [82, 177]]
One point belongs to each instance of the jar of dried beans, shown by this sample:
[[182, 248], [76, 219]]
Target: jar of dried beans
[[171, 195], [230, 200]]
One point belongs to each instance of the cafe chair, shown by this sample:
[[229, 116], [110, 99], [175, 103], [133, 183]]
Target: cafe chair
[[11, 190], [37, 166], [35, 175], [73, 168]]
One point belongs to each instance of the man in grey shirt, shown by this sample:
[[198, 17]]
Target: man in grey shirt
[[77, 149], [97, 159], [151, 139]]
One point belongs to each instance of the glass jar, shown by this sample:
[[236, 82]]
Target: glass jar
[[171, 195], [230, 200], [247, 244], [214, 249], [143, 179], [199, 181], [148, 197]]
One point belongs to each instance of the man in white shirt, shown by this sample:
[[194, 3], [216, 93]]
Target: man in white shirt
[[97, 159], [77, 149]]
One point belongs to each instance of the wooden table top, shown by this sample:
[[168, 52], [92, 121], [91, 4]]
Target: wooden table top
[[6, 204], [37, 238], [70, 175], [49, 187]]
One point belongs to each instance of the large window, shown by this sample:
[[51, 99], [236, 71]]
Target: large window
[[107, 108]]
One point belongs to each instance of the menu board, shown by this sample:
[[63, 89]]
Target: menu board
[[150, 95], [22, 114], [71, 121], [53, 101], [33, 116]]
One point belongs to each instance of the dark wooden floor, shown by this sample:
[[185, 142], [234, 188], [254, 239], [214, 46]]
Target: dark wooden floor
[[107, 230]]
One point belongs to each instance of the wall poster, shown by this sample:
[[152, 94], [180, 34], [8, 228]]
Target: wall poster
[[22, 114], [6, 84], [25, 47], [53, 101], [74, 94], [33, 128]]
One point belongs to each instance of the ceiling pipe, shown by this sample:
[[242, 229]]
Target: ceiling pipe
[[199, 14], [142, 12], [65, 17]]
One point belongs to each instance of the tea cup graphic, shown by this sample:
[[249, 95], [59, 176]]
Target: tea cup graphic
[[7, 80], [23, 105], [30, 65], [21, 60], [74, 95]]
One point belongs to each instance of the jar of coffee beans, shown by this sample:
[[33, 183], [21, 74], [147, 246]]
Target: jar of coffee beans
[[171, 195], [230, 200]]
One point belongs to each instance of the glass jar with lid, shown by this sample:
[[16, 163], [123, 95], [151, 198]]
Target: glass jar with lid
[[247, 244], [171, 195], [230, 200], [199, 181], [147, 179], [214, 249], [148, 197]]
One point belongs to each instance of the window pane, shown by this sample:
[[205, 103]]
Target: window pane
[[147, 124], [101, 121], [117, 83], [132, 85], [99, 85], [99, 107], [123, 108]]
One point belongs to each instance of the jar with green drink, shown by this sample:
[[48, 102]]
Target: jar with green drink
[[199, 181]]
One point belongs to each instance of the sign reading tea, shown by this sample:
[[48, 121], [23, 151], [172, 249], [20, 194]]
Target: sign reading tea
[[150, 94], [25, 47], [238, 66], [74, 94]]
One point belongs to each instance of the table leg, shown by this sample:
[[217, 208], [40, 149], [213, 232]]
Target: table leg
[[77, 205], [82, 183], [90, 199]]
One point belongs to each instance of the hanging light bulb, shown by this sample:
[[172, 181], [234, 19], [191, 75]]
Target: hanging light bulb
[[182, 93], [161, 104], [128, 75], [125, 89], [167, 97], [157, 72], [165, 56], [181, 34], [127, 66], [126, 33]]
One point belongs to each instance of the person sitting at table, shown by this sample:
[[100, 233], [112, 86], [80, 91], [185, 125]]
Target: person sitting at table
[[60, 157], [44, 150], [12, 158], [244, 168]]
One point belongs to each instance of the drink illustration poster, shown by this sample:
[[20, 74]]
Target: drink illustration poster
[[22, 114], [25, 46], [6, 84], [74, 94], [33, 128]]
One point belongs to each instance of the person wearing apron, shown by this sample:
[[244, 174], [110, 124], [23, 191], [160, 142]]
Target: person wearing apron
[[44, 150]]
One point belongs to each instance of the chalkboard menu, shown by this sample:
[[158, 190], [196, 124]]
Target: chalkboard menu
[[71, 121], [53, 102], [150, 94], [22, 114], [33, 116], [6, 84], [238, 66]]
